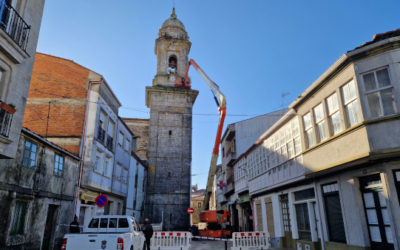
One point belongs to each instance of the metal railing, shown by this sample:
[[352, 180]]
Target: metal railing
[[13, 24], [5, 122]]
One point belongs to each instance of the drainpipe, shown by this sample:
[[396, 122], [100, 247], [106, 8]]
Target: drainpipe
[[320, 217], [83, 146]]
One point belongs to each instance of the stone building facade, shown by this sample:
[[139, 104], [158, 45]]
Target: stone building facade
[[197, 205], [36, 194], [170, 131], [19, 31], [140, 128]]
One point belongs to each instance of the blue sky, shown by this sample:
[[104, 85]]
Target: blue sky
[[256, 50]]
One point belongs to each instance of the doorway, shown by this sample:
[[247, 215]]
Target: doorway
[[48, 236], [376, 212]]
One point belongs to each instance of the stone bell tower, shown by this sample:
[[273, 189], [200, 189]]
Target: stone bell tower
[[170, 134]]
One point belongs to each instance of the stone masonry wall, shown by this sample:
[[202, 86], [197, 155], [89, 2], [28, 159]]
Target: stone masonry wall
[[170, 155], [140, 128]]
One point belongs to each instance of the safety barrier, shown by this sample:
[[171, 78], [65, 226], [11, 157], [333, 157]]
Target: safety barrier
[[211, 238], [171, 240], [250, 240]]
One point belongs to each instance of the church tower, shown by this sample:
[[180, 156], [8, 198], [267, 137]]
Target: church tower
[[170, 134]]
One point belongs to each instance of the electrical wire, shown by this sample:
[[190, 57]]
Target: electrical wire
[[147, 112]]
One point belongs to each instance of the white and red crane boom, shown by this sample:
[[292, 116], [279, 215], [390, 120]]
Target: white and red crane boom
[[221, 103]]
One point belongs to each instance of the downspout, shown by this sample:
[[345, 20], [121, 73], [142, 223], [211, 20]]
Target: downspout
[[320, 217], [83, 146]]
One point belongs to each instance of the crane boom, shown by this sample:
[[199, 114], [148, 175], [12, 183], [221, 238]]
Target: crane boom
[[221, 103]]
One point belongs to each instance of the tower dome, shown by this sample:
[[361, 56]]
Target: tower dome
[[173, 28], [172, 50]]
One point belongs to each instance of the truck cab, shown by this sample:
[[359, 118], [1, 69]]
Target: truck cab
[[107, 232]]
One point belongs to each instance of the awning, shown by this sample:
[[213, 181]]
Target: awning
[[88, 196], [243, 200]]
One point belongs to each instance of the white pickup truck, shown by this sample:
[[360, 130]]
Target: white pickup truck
[[119, 232]]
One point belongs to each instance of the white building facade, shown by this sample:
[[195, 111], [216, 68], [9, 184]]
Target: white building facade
[[327, 174]]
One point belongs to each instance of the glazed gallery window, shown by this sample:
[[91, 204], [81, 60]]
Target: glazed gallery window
[[58, 165], [308, 128], [320, 122], [350, 102], [379, 93], [334, 114], [29, 157], [333, 212], [18, 219]]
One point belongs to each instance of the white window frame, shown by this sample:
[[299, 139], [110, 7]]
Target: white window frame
[[333, 111], [320, 122], [309, 130], [352, 101], [378, 90], [58, 165]]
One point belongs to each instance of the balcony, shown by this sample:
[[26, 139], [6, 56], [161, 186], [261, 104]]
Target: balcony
[[230, 187], [230, 157], [13, 24], [6, 115]]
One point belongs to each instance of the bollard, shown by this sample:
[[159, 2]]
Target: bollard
[[226, 245]]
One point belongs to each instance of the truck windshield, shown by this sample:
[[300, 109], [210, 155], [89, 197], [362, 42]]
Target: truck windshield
[[94, 223]]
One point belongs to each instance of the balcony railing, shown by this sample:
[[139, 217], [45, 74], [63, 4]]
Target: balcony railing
[[5, 122], [230, 185], [230, 158], [13, 24]]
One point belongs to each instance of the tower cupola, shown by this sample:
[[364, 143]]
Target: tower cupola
[[172, 49]]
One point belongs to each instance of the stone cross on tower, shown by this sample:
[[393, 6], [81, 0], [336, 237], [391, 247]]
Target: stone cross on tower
[[170, 133]]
